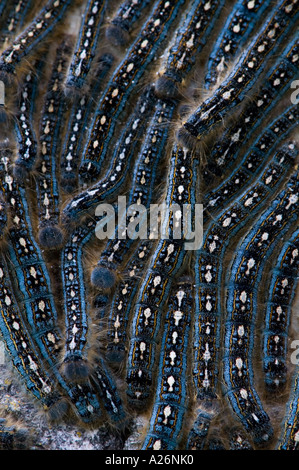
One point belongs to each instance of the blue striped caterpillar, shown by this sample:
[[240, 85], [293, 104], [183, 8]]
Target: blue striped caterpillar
[[76, 362], [246, 72], [4, 216], [277, 81], [19, 344], [50, 234], [167, 259], [277, 318], [79, 117], [166, 426], [120, 86], [208, 271], [31, 37], [123, 21], [87, 44], [26, 134], [91, 314], [234, 35], [241, 308]]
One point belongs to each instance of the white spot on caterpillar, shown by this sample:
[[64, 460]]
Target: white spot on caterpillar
[[177, 315], [147, 313], [167, 413]]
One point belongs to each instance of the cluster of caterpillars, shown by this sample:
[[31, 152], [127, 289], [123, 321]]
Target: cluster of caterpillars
[[169, 101]]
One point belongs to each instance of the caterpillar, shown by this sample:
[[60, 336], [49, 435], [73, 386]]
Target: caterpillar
[[166, 426], [119, 312], [208, 268], [75, 362], [50, 235], [79, 117], [87, 44], [277, 316], [113, 402], [27, 139], [241, 306]]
